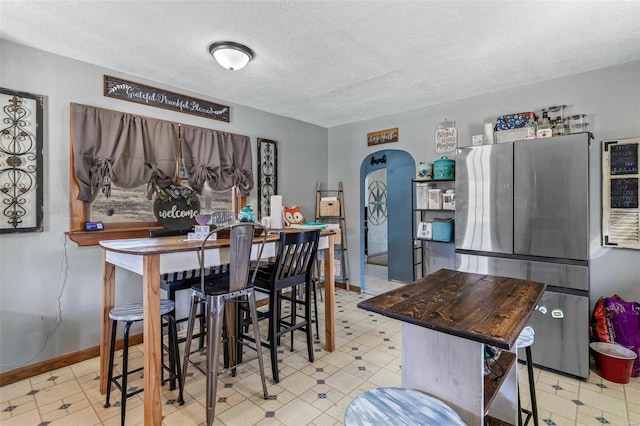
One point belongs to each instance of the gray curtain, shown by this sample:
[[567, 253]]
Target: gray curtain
[[125, 149], [221, 159]]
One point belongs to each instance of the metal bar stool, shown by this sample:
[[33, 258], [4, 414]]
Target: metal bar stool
[[183, 281], [235, 287], [130, 313], [525, 340]]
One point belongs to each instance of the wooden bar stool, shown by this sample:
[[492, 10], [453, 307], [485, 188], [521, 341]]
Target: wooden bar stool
[[130, 313], [399, 406], [525, 340]]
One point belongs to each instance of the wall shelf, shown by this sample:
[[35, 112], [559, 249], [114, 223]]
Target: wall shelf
[[420, 245]]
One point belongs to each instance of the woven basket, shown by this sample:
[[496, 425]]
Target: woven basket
[[329, 208], [337, 238]]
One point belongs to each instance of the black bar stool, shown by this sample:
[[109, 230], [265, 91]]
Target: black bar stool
[[130, 313], [292, 269]]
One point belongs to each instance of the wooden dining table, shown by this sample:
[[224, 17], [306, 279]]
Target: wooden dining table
[[151, 257]]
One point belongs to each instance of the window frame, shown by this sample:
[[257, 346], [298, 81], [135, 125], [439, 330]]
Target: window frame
[[80, 212]]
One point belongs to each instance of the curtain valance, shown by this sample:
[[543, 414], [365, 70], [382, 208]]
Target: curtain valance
[[128, 151], [218, 158]]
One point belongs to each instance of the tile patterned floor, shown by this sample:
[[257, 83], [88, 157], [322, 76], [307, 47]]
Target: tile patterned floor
[[367, 357]]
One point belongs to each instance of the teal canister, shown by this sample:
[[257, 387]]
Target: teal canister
[[443, 169]]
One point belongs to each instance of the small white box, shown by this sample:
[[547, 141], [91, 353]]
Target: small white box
[[202, 228], [425, 231], [448, 201], [435, 199], [477, 140], [199, 236], [422, 196]]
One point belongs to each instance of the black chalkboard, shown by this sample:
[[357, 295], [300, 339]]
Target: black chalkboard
[[147, 95], [624, 193], [623, 159]]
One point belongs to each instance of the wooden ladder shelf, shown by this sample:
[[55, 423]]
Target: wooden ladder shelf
[[332, 216]]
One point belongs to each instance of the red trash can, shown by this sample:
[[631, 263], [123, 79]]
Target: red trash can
[[614, 362]]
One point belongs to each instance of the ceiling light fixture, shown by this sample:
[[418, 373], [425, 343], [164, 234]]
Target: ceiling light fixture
[[232, 56]]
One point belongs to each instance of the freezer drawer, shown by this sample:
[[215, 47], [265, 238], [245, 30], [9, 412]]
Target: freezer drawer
[[561, 324], [484, 198], [566, 276]]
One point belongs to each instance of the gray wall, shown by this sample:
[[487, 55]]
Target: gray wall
[[38, 269], [611, 100]]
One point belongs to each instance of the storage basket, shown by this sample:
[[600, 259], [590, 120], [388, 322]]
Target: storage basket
[[337, 239], [510, 135], [329, 208], [442, 230]]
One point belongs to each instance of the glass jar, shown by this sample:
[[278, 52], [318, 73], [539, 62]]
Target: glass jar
[[558, 127], [577, 123]]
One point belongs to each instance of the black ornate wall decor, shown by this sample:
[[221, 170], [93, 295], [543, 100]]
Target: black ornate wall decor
[[267, 174], [21, 141]]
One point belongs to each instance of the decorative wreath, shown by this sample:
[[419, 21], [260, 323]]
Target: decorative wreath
[[178, 192]]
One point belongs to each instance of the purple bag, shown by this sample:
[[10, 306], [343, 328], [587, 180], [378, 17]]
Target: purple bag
[[625, 318]]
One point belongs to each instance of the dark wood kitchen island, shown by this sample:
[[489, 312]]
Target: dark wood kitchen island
[[447, 318]]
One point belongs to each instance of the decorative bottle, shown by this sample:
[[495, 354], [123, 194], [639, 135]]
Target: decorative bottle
[[530, 127], [544, 127]]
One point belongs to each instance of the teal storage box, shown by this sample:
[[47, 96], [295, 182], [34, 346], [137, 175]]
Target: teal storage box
[[442, 230]]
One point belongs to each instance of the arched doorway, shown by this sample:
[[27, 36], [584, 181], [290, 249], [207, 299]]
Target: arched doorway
[[400, 169]]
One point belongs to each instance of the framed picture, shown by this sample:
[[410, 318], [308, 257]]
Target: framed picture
[[21, 162]]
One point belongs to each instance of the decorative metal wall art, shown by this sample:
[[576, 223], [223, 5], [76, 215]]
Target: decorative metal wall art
[[377, 201], [267, 174], [21, 140]]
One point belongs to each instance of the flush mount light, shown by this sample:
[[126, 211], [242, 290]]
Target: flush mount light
[[233, 56]]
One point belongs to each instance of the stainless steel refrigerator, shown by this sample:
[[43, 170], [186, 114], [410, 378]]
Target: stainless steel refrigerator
[[522, 211]]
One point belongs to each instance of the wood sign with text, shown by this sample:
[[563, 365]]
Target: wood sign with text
[[160, 98], [382, 136]]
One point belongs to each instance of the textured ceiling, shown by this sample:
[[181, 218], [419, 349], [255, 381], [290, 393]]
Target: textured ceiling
[[335, 62]]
